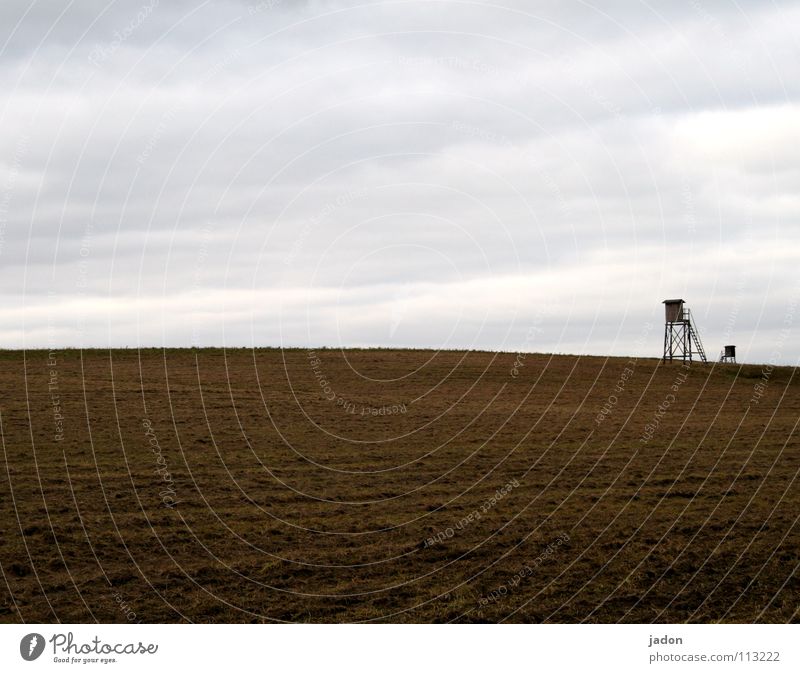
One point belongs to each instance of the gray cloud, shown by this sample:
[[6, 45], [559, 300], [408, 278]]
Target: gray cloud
[[398, 173]]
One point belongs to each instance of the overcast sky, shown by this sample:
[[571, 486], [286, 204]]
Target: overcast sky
[[509, 175]]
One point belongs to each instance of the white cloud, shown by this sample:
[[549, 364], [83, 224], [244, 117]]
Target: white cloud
[[750, 140]]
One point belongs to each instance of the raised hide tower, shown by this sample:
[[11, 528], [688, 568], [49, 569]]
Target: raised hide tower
[[681, 338]]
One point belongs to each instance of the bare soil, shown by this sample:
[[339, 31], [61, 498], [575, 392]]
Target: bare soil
[[207, 485]]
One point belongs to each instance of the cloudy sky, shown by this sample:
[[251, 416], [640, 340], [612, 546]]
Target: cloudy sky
[[506, 175]]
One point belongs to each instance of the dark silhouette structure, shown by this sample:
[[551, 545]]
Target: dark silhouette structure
[[681, 338]]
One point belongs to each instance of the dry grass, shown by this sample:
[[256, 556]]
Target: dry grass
[[290, 507]]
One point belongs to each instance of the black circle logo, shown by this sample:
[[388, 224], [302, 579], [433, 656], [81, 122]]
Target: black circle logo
[[31, 646]]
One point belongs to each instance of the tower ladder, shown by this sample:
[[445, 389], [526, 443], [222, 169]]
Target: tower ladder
[[694, 335]]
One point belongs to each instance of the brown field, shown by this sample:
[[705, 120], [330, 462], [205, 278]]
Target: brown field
[[280, 500]]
